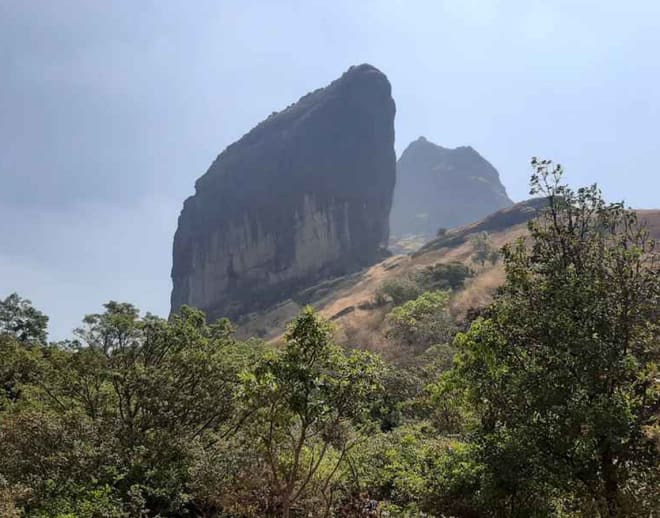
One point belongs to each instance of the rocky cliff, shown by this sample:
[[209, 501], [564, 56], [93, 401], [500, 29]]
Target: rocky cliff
[[304, 196], [351, 302], [443, 188]]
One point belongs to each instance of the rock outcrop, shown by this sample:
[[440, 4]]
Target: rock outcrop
[[304, 196], [443, 188]]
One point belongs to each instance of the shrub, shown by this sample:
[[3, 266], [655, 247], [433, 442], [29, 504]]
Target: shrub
[[443, 276], [400, 290], [422, 322]]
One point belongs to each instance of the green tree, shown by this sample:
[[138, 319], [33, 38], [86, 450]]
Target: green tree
[[414, 472], [121, 414], [399, 289], [444, 276], [19, 366], [20, 319], [422, 322], [483, 250], [306, 406], [177, 375], [563, 372]]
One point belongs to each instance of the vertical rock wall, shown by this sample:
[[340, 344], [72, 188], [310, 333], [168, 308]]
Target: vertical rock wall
[[304, 196]]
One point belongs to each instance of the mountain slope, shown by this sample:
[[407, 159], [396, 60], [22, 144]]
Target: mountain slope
[[349, 301], [439, 187]]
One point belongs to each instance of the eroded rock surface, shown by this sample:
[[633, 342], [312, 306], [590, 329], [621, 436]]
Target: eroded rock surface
[[304, 196]]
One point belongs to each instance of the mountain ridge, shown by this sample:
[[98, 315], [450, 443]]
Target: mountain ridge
[[439, 187], [349, 302]]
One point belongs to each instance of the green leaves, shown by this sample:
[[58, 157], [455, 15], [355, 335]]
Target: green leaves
[[556, 369], [303, 406], [20, 319], [127, 406], [422, 322], [551, 406]]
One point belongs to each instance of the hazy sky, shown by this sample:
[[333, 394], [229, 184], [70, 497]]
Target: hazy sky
[[110, 110]]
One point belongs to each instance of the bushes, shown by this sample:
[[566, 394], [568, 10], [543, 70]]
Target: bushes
[[444, 276], [110, 406], [399, 290], [422, 322], [421, 316], [413, 470], [550, 408], [441, 276]]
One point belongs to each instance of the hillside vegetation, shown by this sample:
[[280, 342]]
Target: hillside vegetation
[[351, 302], [509, 369]]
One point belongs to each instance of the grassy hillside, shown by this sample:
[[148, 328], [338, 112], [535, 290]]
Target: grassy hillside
[[351, 302]]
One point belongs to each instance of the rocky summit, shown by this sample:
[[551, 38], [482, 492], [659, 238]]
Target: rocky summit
[[439, 187], [303, 197]]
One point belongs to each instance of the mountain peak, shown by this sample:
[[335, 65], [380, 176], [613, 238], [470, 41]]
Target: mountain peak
[[440, 187], [302, 197]]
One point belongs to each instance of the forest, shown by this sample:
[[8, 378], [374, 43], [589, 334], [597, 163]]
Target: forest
[[545, 404]]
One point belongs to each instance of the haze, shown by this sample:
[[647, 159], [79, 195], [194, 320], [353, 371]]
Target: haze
[[110, 111]]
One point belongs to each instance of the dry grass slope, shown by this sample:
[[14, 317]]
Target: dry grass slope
[[349, 302]]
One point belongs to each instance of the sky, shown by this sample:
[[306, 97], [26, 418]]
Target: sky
[[109, 111]]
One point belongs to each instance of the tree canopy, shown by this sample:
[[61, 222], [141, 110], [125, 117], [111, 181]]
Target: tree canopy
[[545, 404], [23, 321], [563, 371]]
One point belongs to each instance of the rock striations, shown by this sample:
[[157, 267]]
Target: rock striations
[[302, 197], [443, 188]]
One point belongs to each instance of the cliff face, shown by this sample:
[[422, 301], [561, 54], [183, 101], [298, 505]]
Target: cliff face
[[443, 188], [304, 196]]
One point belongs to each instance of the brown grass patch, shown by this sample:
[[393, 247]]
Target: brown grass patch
[[478, 291]]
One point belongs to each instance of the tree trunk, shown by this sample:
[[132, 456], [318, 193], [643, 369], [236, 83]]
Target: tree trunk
[[286, 506], [610, 483]]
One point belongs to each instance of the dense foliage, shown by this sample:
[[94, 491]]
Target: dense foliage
[[20, 319], [422, 322], [441, 276], [548, 404], [563, 371]]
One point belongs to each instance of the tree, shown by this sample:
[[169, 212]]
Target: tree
[[19, 366], [129, 406], [443, 276], [304, 405], [483, 250], [422, 322], [21, 327], [21, 320], [563, 371], [177, 375], [399, 289]]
